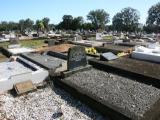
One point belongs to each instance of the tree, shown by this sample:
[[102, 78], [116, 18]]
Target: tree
[[77, 23], [28, 23], [153, 20], [67, 22], [154, 15], [21, 25], [46, 23], [88, 26], [99, 18], [126, 20], [39, 26]]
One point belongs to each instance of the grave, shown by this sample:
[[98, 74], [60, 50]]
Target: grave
[[19, 71], [50, 60], [118, 97], [150, 53], [19, 50], [62, 48]]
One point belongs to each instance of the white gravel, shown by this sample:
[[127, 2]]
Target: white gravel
[[45, 104]]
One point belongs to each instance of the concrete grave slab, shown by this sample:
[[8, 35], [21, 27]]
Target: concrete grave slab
[[20, 71], [50, 60], [19, 50]]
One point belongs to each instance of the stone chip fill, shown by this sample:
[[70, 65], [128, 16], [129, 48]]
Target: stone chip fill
[[49, 103], [129, 97]]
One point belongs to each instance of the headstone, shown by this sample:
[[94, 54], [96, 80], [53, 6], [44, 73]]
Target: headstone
[[24, 87], [77, 37], [76, 57], [99, 36], [51, 42], [158, 37], [108, 56], [14, 41]]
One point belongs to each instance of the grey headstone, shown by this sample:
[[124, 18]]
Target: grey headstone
[[108, 56], [76, 57], [14, 41], [51, 42]]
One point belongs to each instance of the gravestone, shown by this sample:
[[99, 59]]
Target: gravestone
[[76, 57], [14, 41], [108, 56], [99, 36], [51, 42]]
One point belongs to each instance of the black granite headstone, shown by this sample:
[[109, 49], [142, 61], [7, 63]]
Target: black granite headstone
[[76, 57]]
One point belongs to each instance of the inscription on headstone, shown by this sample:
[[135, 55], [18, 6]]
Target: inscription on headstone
[[76, 57]]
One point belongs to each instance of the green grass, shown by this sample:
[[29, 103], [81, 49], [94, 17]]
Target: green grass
[[26, 43]]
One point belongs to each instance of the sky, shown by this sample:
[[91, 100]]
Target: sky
[[14, 10]]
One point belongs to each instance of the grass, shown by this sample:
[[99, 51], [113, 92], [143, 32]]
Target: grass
[[27, 43]]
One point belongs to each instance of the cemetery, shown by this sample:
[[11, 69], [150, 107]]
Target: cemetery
[[120, 81]]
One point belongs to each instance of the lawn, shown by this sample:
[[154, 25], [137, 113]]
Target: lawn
[[27, 43]]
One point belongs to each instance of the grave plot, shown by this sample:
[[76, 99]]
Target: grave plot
[[114, 48], [18, 71], [115, 96], [56, 48], [148, 72], [88, 43], [19, 50], [52, 61]]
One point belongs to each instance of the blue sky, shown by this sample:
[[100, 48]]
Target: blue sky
[[14, 10]]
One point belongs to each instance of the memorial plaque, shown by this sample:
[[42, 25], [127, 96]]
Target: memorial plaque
[[108, 56], [76, 57], [24, 87]]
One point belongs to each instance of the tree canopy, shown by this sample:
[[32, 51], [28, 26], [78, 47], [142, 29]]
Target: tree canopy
[[126, 20], [99, 18]]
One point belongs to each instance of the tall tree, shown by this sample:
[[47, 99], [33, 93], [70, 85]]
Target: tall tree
[[126, 20], [21, 25], [154, 15], [67, 22], [99, 18], [77, 23], [153, 20], [46, 23], [39, 26], [28, 24]]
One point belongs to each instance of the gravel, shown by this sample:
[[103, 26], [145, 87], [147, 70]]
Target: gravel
[[124, 95], [48, 103]]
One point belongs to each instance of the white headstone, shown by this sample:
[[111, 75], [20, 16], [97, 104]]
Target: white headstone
[[99, 36]]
